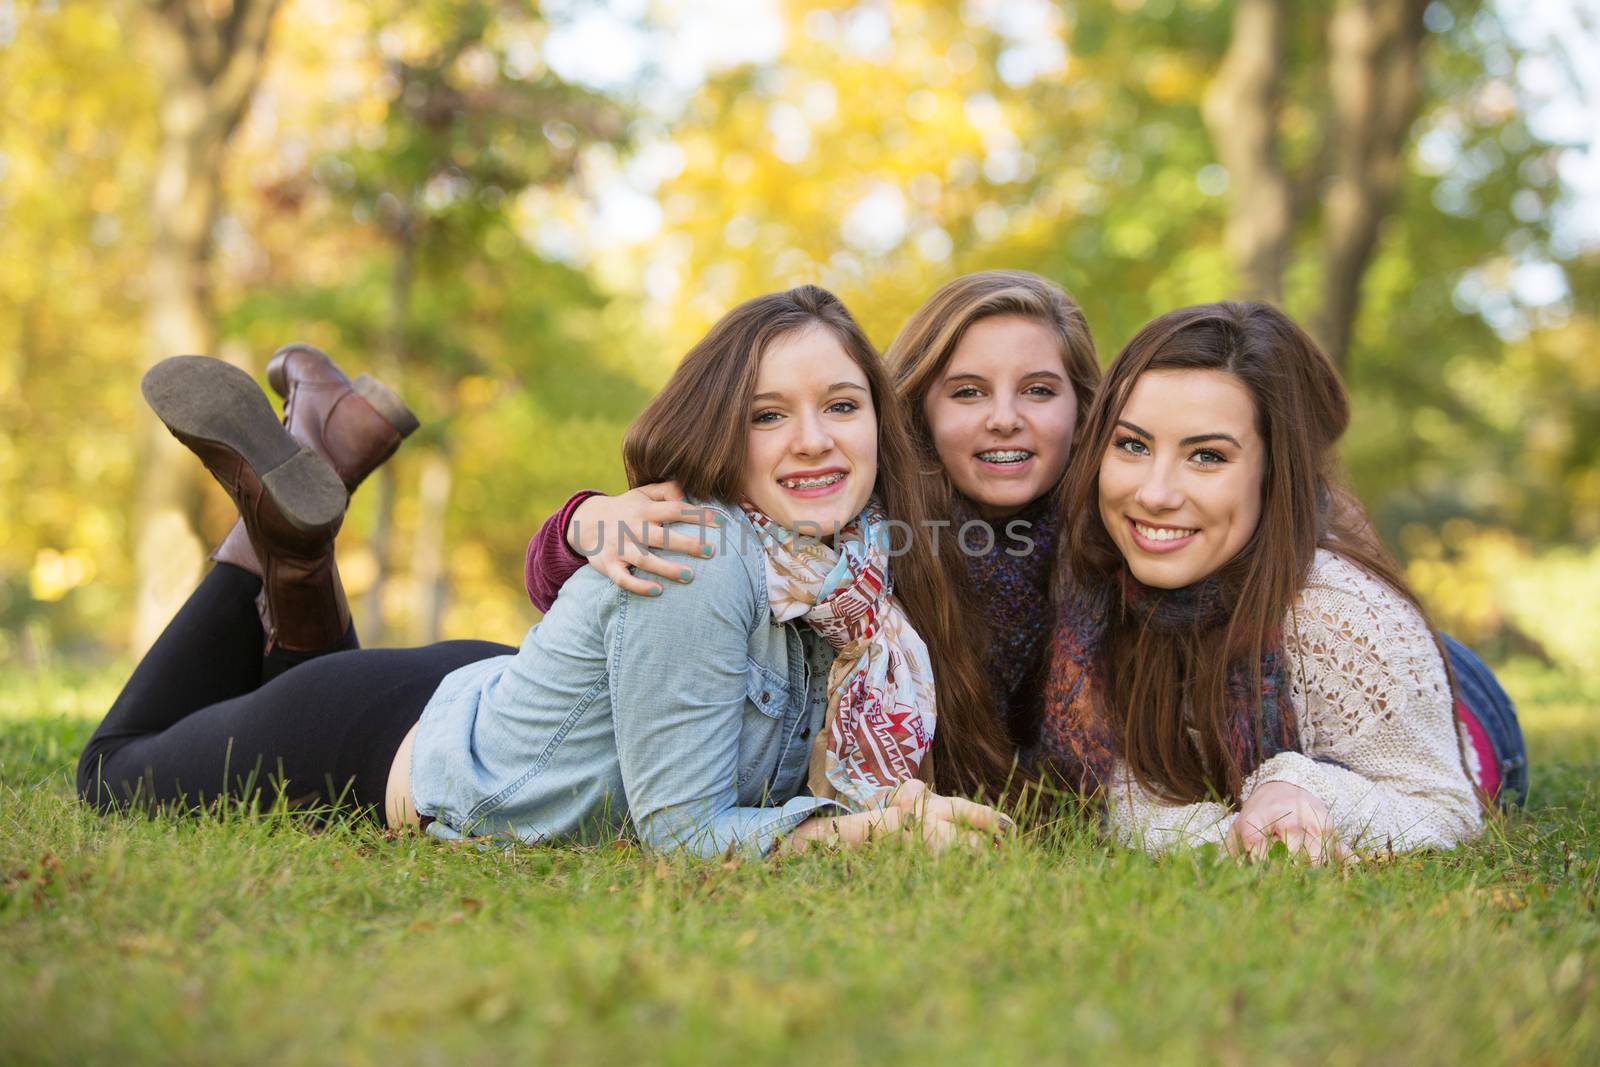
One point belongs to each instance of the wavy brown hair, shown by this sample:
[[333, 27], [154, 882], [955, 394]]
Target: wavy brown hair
[[917, 358], [1157, 686], [694, 432]]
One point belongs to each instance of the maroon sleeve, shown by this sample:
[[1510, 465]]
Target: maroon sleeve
[[551, 561]]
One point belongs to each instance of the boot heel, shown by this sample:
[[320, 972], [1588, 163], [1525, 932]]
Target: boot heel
[[386, 402], [307, 491], [221, 414]]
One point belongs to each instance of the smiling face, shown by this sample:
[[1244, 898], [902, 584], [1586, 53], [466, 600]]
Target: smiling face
[[1002, 414], [812, 451], [1180, 485]]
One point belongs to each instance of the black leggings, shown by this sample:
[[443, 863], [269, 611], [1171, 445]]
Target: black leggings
[[204, 715]]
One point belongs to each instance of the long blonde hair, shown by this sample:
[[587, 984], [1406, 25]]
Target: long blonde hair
[[916, 358]]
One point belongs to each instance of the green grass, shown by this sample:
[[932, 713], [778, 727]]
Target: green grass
[[257, 938]]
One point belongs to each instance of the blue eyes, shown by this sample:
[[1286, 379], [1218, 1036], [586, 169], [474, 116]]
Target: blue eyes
[[838, 407], [1133, 446]]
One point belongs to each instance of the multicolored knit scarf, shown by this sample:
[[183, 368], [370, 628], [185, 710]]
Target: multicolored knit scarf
[[880, 716], [1075, 738]]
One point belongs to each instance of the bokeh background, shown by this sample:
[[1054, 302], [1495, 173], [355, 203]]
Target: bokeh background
[[522, 215]]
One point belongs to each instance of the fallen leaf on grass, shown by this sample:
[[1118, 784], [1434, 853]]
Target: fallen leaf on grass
[[1502, 897], [494, 1008], [147, 944], [1567, 973]]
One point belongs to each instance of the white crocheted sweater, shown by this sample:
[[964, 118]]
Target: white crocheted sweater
[[1377, 728]]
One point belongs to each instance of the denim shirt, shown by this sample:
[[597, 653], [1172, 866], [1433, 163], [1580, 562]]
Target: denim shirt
[[686, 719]]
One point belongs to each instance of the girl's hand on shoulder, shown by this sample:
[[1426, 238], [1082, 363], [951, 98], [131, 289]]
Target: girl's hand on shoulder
[[1279, 811], [615, 533]]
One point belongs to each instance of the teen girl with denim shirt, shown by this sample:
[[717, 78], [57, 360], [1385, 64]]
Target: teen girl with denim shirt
[[995, 371], [786, 694]]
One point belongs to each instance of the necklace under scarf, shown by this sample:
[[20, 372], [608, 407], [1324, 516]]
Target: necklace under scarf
[[1075, 738], [880, 718]]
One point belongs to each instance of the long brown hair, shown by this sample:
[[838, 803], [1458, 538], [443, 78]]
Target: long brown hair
[[1165, 695], [917, 357], [694, 432]]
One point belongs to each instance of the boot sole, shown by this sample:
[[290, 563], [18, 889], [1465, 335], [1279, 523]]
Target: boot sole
[[384, 400], [206, 400]]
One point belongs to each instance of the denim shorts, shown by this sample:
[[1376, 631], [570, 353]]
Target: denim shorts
[[1491, 721]]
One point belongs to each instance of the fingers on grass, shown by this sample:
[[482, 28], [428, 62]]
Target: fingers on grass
[[1246, 841], [906, 795], [890, 820], [938, 836], [978, 816]]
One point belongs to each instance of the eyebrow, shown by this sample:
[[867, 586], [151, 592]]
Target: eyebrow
[[834, 388], [1052, 375], [1193, 439]]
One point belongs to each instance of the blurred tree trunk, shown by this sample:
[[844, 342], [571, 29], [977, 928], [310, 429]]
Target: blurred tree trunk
[[428, 561], [401, 228], [1372, 95], [1241, 110], [1374, 82], [208, 57]]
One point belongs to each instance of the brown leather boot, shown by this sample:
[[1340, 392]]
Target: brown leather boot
[[291, 501], [355, 426]]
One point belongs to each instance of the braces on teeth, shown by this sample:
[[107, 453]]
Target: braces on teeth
[[810, 483]]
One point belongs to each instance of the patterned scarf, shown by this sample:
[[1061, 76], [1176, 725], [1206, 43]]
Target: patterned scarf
[[880, 715], [1075, 739]]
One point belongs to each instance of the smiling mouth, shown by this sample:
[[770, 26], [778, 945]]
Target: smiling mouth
[[819, 481], [1161, 533], [1006, 457]]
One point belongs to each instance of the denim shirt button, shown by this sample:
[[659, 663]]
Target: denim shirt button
[[766, 698]]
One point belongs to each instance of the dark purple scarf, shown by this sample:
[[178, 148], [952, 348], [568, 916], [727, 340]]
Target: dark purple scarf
[[1075, 739], [1013, 593]]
